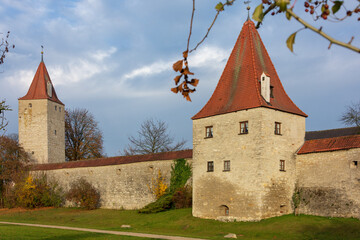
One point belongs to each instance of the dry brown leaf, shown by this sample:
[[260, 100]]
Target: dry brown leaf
[[185, 54], [175, 90], [178, 66], [187, 71], [194, 82], [177, 79]]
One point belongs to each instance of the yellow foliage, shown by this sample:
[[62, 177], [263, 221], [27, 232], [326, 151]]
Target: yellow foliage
[[158, 185]]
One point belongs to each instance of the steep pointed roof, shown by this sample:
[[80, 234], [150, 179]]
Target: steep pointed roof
[[39, 86], [239, 86]]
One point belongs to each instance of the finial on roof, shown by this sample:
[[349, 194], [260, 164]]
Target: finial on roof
[[42, 53], [248, 8]]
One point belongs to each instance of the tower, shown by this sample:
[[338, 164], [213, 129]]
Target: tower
[[245, 139], [42, 120]]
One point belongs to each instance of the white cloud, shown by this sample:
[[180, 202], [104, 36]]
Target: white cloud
[[154, 68], [100, 55]]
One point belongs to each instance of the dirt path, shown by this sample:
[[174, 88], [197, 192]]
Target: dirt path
[[144, 235]]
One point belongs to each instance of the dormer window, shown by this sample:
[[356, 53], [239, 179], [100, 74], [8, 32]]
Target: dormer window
[[49, 89], [265, 86]]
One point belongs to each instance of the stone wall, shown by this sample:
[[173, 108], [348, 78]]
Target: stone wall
[[123, 186], [329, 183], [254, 188]]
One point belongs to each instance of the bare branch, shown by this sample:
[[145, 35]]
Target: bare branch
[[191, 23]]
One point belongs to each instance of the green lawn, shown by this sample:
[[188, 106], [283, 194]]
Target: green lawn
[[8, 232], [181, 223]]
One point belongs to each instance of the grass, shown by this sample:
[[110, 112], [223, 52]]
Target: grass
[[181, 223], [8, 232]]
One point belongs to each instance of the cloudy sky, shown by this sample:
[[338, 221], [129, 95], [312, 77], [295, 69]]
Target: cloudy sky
[[115, 58]]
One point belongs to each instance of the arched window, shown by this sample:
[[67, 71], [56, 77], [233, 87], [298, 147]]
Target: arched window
[[224, 210]]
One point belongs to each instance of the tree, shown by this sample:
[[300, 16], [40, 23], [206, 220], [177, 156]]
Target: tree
[[83, 139], [3, 108], [13, 163], [352, 115], [4, 47], [153, 137], [324, 10]]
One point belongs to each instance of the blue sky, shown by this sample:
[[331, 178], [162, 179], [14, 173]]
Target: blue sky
[[115, 58]]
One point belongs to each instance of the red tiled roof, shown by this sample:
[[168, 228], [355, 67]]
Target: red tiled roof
[[115, 160], [330, 144], [239, 87], [38, 87]]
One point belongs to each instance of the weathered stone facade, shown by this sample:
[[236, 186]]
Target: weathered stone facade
[[254, 188], [42, 130], [329, 183]]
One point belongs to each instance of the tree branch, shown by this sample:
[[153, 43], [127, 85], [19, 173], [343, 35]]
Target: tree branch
[[321, 33]]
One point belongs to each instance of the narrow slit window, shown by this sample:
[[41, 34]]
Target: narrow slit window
[[209, 132], [282, 165], [277, 128], [226, 165], [210, 166], [244, 127]]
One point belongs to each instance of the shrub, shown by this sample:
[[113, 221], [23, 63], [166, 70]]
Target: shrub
[[37, 192], [180, 174], [158, 185], [83, 194], [162, 204], [182, 198]]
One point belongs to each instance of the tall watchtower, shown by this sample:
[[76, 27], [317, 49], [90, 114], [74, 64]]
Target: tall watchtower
[[245, 139], [42, 120]]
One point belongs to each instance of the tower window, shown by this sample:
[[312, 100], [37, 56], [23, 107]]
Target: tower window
[[354, 164], [282, 165], [244, 127], [209, 132], [277, 128], [55, 108], [226, 165], [272, 91], [59, 109], [55, 132], [30, 105], [210, 166]]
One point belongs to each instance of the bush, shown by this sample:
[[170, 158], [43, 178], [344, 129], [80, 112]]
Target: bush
[[83, 194], [182, 198], [177, 195], [36, 192], [162, 204]]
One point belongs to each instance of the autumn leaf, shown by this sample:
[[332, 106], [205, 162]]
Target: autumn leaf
[[194, 82], [178, 66], [186, 95], [177, 79], [175, 90], [291, 41], [185, 54], [187, 71], [219, 7]]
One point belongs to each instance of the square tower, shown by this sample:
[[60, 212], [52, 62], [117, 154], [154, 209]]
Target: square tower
[[245, 169], [42, 120]]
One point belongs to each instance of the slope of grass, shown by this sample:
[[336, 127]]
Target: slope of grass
[[180, 222]]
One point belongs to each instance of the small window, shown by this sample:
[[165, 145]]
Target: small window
[[30, 105], [209, 132], [210, 166], [354, 164], [55, 108], [32, 152], [277, 128], [55, 132], [244, 129], [226, 165], [59, 109], [272, 91], [282, 165]]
